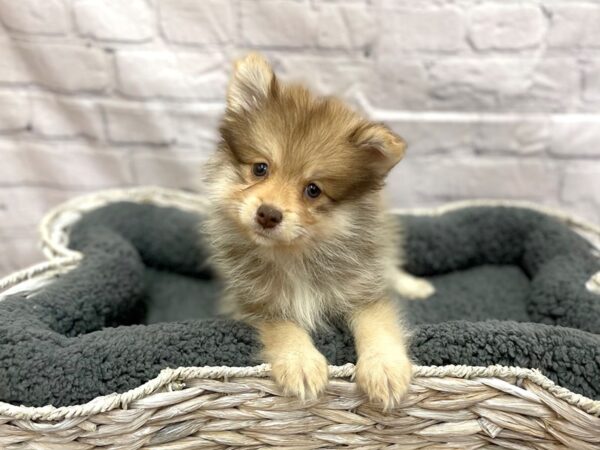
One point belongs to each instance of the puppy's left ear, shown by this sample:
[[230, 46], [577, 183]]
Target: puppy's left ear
[[252, 82], [384, 148]]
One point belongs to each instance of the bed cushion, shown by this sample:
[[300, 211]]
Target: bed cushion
[[510, 290]]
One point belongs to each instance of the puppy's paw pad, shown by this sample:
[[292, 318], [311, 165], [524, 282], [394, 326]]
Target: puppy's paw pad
[[301, 374], [384, 378]]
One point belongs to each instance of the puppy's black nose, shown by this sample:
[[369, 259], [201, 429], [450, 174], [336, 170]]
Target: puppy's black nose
[[268, 217]]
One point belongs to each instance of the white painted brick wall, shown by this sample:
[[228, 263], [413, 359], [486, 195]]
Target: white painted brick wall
[[413, 30], [68, 68], [573, 24], [125, 21], [496, 98], [180, 75], [64, 117], [49, 17], [506, 27], [196, 22]]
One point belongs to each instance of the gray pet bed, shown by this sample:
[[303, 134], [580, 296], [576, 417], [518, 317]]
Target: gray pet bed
[[511, 290]]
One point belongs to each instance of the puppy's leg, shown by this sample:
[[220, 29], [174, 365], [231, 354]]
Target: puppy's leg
[[296, 364], [384, 369], [411, 287]]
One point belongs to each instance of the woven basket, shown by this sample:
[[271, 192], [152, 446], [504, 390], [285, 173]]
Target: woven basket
[[459, 407]]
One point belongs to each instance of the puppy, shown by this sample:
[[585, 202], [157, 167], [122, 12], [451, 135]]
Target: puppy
[[300, 234]]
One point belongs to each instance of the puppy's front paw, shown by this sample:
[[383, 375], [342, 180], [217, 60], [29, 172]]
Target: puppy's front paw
[[384, 377], [301, 373], [413, 288]]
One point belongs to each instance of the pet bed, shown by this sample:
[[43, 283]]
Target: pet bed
[[113, 342]]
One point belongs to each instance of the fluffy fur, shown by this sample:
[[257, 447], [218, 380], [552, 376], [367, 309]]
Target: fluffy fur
[[333, 256]]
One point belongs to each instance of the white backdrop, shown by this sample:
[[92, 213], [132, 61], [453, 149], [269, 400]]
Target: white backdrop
[[496, 99]]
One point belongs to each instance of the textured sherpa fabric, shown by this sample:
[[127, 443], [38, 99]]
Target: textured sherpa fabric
[[510, 290]]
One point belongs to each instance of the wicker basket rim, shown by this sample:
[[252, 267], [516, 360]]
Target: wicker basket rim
[[171, 379], [61, 258]]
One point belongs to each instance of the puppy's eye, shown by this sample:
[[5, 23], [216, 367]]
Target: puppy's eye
[[260, 169], [312, 190]]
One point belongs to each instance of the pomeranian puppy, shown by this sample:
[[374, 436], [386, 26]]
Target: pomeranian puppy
[[300, 234]]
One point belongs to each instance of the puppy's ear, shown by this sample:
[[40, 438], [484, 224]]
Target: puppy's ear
[[384, 148], [252, 82]]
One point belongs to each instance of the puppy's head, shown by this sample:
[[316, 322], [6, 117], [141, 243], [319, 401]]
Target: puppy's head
[[296, 163]]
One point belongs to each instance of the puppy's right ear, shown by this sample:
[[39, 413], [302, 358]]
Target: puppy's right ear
[[252, 82]]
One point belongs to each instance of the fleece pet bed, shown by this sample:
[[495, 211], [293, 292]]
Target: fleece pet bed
[[510, 290]]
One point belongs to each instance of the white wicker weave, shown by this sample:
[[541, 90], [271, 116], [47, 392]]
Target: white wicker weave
[[459, 407]]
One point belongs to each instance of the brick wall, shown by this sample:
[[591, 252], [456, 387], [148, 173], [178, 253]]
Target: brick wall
[[496, 98]]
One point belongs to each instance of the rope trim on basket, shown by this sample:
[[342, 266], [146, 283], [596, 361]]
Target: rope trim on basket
[[54, 235], [55, 265], [171, 379], [54, 227]]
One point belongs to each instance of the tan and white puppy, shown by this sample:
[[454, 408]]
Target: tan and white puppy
[[300, 233]]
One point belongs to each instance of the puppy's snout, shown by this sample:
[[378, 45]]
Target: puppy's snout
[[268, 217]]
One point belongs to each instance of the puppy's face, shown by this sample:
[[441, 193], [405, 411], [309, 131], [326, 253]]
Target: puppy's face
[[296, 163]]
